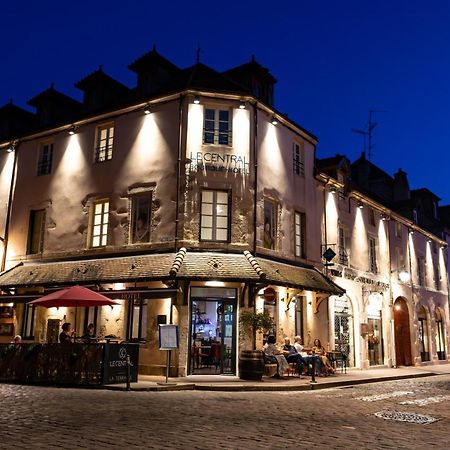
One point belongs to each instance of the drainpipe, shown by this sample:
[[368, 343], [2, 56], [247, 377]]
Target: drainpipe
[[325, 223], [391, 297], [412, 292], [8, 210], [177, 202], [255, 157]]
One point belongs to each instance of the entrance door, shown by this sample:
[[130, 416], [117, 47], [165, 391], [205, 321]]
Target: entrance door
[[402, 334], [212, 340], [375, 341]]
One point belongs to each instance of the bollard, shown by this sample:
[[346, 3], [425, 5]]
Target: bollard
[[313, 376], [128, 388]]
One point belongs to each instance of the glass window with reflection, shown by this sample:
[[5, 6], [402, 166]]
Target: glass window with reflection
[[45, 158], [270, 224], [28, 321], [137, 319], [99, 224], [141, 206], [214, 219]]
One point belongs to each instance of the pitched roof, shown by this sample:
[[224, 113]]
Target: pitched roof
[[99, 78]]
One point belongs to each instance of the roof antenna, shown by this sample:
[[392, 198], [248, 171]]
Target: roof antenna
[[369, 132], [198, 52]]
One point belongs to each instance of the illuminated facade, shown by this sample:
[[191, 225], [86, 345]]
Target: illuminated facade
[[391, 258], [185, 199]]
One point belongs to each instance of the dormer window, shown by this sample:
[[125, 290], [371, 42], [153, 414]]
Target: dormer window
[[217, 127]]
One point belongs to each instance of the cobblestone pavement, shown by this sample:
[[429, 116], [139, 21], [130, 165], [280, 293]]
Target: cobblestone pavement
[[340, 418]]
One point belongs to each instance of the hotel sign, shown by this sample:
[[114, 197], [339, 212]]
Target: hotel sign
[[221, 162]]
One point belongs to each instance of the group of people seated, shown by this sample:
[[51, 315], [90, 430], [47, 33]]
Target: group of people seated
[[305, 359], [67, 334]]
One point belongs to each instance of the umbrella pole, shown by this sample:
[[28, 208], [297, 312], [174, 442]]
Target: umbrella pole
[[75, 328]]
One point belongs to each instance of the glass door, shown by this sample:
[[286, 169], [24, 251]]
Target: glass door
[[212, 337], [375, 342]]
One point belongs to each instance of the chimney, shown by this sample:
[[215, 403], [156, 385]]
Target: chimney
[[401, 186]]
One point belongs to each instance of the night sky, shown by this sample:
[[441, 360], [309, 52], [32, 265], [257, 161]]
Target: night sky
[[334, 61]]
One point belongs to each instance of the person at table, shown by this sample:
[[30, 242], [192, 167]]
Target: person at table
[[66, 335], [307, 357], [319, 350], [17, 339], [270, 349], [292, 356], [90, 336]]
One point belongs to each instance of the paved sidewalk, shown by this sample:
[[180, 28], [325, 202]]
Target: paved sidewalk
[[233, 383]]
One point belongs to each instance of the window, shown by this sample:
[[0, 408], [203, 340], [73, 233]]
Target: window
[[36, 230], [371, 216], [398, 229], [99, 227], [214, 221], [300, 232], [217, 127], [28, 321], [104, 143], [137, 319], [270, 224], [372, 255], [421, 270], [141, 207], [45, 159], [437, 276], [298, 157], [343, 253], [90, 316], [415, 216], [400, 258]]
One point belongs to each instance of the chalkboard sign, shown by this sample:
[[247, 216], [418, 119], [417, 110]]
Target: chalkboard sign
[[115, 363], [168, 337]]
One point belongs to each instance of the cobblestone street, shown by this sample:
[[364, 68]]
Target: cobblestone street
[[48, 418]]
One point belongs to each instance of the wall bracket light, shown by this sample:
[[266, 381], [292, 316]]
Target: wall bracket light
[[274, 120], [196, 100], [72, 130], [147, 110]]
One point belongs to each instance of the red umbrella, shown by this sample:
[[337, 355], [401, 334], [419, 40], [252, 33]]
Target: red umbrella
[[73, 297]]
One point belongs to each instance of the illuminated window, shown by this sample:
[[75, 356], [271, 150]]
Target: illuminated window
[[28, 321], [137, 319], [298, 159], [214, 218], [36, 230], [104, 143], [373, 255], [217, 127], [141, 207], [45, 159], [99, 223], [300, 234], [270, 224]]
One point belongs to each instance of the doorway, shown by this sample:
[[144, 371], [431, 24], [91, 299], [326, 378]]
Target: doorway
[[212, 332], [423, 334], [402, 333]]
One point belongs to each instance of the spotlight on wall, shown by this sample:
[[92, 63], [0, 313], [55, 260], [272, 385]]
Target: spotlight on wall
[[274, 120], [147, 110], [444, 247], [72, 130], [196, 100], [333, 190], [360, 205], [429, 241], [411, 231], [241, 105], [11, 147], [384, 217]]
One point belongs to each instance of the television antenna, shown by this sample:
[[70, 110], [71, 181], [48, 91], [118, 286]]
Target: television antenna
[[369, 132]]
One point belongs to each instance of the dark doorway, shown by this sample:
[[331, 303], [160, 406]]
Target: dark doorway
[[402, 333]]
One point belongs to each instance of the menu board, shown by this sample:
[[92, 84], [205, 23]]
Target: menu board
[[168, 337]]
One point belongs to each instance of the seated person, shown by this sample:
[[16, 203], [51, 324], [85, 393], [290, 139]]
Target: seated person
[[90, 333], [298, 345], [271, 349], [66, 335], [293, 356], [320, 351], [17, 339]]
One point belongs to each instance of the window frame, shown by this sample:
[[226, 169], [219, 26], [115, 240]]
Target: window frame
[[45, 166], [300, 226], [134, 217], [103, 233], [421, 271], [371, 216], [343, 253], [214, 216], [372, 254], [273, 223], [298, 158], [216, 131], [142, 318], [109, 145], [28, 319], [31, 231]]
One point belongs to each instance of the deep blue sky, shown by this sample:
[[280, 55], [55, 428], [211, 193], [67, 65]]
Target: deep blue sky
[[334, 60]]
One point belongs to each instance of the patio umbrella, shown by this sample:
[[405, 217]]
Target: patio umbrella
[[73, 297]]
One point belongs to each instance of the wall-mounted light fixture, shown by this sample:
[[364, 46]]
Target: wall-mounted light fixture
[[72, 130], [444, 247], [360, 205], [241, 105], [11, 147], [411, 231], [196, 100], [429, 241], [147, 110], [333, 190], [384, 217], [274, 120]]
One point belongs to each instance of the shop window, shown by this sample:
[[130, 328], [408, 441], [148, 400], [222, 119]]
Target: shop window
[[36, 230], [137, 319], [99, 223], [45, 158], [141, 207], [270, 224], [104, 143], [298, 159], [440, 336], [300, 234], [28, 321], [217, 127], [423, 335], [214, 218], [372, 255]]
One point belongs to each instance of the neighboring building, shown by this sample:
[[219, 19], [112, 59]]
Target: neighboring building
[[187, 198], [392, 262]]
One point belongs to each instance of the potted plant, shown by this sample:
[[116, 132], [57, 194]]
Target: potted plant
[[251, 362]]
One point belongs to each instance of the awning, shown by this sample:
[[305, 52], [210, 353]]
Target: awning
[[184, 265]]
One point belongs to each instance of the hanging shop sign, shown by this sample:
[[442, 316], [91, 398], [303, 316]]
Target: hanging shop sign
[[270, 294]]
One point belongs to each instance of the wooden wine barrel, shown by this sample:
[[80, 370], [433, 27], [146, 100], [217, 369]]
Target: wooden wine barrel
[[251, 365]]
